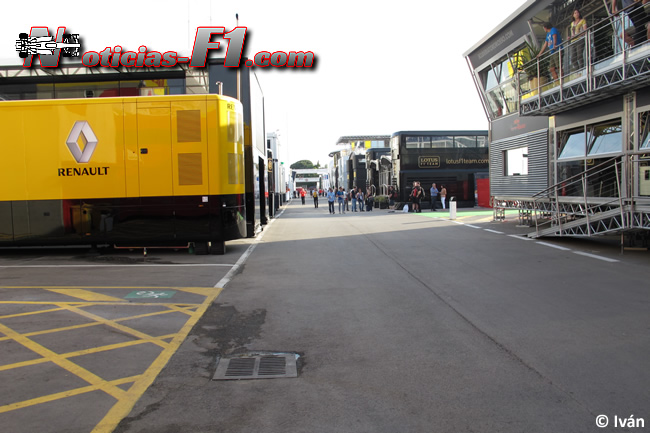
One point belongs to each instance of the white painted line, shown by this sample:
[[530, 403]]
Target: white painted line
[[523, 238], [494, 231], [474, 227], [593, 256], [231, 273], [554, 246], [458, 222], [117, 265]]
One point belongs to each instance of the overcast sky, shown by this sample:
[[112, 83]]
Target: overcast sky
[[381, 67]]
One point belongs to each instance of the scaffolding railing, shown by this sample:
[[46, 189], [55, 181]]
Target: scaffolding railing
[[582, 199], [611, 53]]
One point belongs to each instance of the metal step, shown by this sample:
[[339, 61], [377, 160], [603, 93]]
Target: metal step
[[612, 220]]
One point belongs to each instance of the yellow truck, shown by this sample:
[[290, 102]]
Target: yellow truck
[[126, 171]]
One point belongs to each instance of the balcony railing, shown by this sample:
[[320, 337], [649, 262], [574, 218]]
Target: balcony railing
[[599, 63]]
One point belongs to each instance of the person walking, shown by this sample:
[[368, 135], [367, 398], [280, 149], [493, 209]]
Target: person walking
[[340, 195], [315, 195], [434, 197], [360, 200], [353, 198], [443, 195], [330, 200], [302, 195]]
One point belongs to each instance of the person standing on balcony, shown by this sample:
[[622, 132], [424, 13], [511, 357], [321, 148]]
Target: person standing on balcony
[[552, 42], [578, 29], [640, 19], [626, 19]]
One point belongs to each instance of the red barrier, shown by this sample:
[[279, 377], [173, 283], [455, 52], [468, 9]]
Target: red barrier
[[483, 189]]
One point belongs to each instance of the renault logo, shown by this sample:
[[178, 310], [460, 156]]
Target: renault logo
[[82, 129]]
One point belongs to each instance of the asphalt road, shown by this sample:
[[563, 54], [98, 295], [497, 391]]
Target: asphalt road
[[415, 323]]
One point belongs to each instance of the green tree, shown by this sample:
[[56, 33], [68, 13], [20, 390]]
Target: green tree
[[302, 165]]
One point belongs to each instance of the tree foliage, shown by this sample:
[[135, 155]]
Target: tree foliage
[[302, 165]]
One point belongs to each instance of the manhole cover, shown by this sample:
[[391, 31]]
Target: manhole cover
[[269, 365]]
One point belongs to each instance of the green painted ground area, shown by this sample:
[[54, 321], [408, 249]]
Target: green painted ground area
[[149, 294], [465, 212]]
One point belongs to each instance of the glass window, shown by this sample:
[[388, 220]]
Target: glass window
[[490, 78], [570, 185], [496, 103], [418, 142], [646, 142], [644, 129], [606, 138], [516, 161], [442, 141], [574, 145], [469, 141], [603, 181], [510, 97], [481, 141], [507, 71]]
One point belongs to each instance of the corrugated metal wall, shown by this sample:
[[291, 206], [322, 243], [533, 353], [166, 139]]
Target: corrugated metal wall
[[520, 186]]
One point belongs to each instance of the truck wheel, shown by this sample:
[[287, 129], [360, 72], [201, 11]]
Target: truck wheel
[[201, 248], [218, 248]]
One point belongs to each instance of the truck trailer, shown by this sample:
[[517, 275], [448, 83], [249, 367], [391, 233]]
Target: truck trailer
[[127, 171]]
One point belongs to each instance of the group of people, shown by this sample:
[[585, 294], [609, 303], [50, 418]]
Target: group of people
[[417, 195], [636, 32], [355, 196]]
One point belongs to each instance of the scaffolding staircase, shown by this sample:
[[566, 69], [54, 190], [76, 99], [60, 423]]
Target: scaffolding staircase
[[590, 203]]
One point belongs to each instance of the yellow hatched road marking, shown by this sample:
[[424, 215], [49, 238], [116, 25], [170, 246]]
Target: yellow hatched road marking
[[206, 291], [85, 304], [9, 316], [124, 405], [86, 295], [114, 324], [64, 363], [171, 309], [198, 290], [82, 352], [65, 394], [125, 399]]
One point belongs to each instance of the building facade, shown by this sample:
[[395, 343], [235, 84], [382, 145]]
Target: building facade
[[568, 128]]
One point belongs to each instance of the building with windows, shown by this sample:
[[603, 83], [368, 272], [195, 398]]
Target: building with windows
[[349, 167], [455, 159], [569, 129]]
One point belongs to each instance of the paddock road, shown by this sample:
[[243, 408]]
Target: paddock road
[[398, 322]]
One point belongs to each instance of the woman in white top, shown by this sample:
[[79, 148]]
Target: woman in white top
[[443, 195]]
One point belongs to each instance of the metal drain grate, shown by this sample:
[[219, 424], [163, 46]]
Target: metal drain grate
[[257, 366]]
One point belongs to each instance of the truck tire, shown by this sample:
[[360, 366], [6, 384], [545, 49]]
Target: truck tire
[[218, 248], [201, 248]]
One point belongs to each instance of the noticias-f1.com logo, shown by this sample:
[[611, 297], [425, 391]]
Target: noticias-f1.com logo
[[49, 48], [41, 43]]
